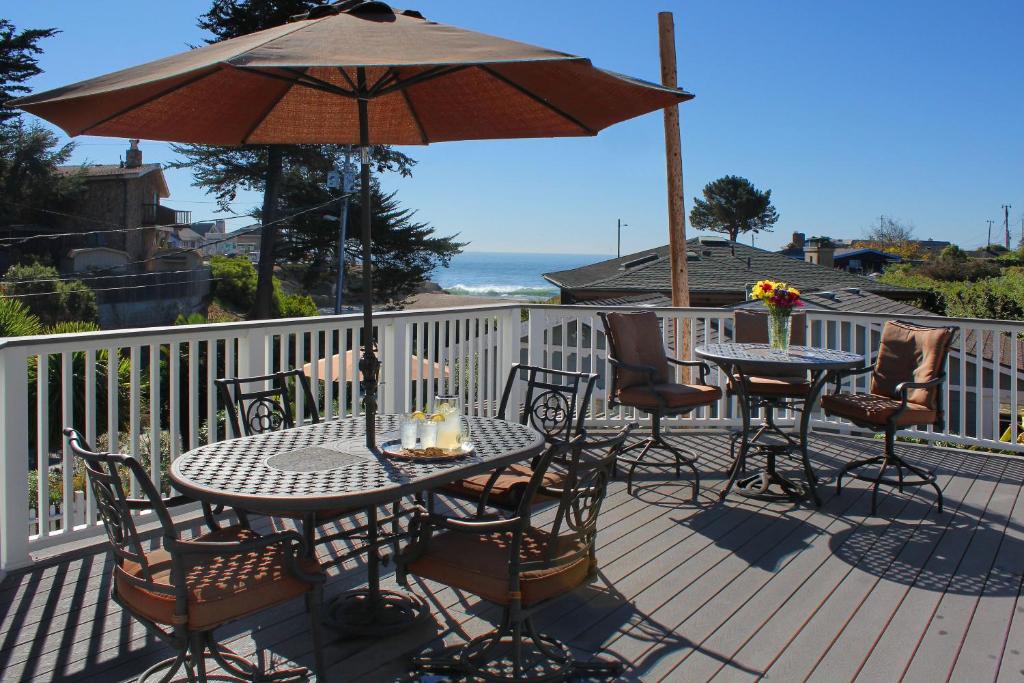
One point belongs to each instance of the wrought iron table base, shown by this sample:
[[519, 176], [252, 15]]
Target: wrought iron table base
[[493, 657], [373, 611], [759, 485]]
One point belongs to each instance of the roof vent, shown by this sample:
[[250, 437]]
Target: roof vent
[[852, 290], [831, 296], [707, 252], [692, 256], [639, 261], [713, 241]]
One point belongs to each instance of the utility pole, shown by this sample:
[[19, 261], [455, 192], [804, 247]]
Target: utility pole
[[988, 242], [343, 178], [618, 248], [1006, 223]]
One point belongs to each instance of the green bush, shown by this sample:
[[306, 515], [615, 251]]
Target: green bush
[[47, 296], [16, 320], [234, 281], [295, 305]]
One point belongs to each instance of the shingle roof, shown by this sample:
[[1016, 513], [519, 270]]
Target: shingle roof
[[850, 301], [715, 265], [101, 171]]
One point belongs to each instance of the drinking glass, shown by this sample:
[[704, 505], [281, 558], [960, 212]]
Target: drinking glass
[[409, 430], [428, 434]]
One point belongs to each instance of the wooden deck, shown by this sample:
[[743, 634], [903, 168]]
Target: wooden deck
[[726, 592]]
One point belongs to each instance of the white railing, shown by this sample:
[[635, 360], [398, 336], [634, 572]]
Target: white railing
[[130, 389], [981, 394], [150, 393]]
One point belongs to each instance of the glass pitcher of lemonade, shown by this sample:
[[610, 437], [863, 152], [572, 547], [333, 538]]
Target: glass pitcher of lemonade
[[452, 429]]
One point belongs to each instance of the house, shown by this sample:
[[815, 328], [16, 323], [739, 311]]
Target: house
[[123, 196], [721, 273], [863, 260], [243, 242]]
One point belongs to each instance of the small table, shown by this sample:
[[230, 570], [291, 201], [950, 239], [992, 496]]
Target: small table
[[328, 466], [741, 360]]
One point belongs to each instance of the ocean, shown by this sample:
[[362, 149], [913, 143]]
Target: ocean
[[481, 273]]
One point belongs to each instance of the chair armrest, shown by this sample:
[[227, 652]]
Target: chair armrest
[[705, 369], [650, 371], [144, 504], [903, 387], [839, 375], [474, 526]]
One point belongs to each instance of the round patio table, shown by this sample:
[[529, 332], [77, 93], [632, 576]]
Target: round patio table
[[327, 466], [743, 360]]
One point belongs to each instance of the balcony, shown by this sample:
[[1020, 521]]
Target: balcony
[[157, 214], [732, 590]]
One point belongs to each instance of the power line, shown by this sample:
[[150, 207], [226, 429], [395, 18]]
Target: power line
[[101, 277], [114, 289]]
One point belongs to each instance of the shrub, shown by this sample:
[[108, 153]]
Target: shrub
[[953, 269], [47, 296], [16, 320], [234, 281], [295, 305]]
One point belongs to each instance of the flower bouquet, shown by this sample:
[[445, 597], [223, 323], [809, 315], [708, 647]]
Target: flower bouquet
[[780, 299]]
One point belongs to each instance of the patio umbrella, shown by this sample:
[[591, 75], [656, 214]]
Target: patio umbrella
[[357, 73]]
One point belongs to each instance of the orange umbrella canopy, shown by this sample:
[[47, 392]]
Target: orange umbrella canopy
[[298, 83]]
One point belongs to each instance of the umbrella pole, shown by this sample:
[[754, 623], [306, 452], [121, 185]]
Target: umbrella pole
[[369, 365]]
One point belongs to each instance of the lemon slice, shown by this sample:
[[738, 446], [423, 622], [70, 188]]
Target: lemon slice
[[419, 415], [437, 417]]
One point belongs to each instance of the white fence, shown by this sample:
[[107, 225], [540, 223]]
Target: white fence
[[130, 389]]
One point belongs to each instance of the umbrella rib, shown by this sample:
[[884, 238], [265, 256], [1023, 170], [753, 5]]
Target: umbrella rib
[[305, 80], [391, 75], [415, 117], [266, 112], [351, 83], [144, 102], [429, 74], [537, 98]]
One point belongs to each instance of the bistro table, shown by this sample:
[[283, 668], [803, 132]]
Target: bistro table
[[742, 360], [327, 466]]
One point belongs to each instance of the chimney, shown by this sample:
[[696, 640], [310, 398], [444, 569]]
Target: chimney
[[820, 252], [133, 157], [799, 239]]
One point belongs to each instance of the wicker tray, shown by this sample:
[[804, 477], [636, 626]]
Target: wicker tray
[[392, 448]]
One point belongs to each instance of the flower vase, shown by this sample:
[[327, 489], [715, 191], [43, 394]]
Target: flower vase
[[780, 322]]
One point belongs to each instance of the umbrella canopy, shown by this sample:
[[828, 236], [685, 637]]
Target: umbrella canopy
[[300, 83], [354, 73]]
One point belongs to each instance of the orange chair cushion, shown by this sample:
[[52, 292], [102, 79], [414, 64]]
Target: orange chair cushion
[[675, 396], [508, 488], [876, 410], [220, 589], [788, 387], [479, 564], [636, 338], [910, 352]]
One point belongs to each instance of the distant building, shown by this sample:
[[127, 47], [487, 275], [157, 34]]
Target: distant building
[[127, 196], [721, 273]]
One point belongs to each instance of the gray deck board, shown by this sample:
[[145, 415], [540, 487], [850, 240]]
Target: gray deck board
[[744, 590]]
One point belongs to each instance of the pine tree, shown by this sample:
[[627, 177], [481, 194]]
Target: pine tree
[[733, 205]]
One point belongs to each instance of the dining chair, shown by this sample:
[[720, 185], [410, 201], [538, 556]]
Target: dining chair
[[554, 402], [520, 565], [904, 391], [642, 378], [184, 589]]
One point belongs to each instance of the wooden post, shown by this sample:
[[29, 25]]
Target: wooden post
[[674, 174]]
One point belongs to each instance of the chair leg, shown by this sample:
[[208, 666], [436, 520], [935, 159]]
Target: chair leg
[[646, 447], [197, 647]]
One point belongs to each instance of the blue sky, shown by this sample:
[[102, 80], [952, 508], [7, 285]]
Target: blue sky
[[846, 111]]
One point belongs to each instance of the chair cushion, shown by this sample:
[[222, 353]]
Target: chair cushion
[[788, 387], [636, 338], [876, 410], [909, 352], [220, 589], [479, 564], [675, 396], [507, 488]]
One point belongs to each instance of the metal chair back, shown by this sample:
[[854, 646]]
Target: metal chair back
[[555, 402], [269, 408], [108, 474]]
